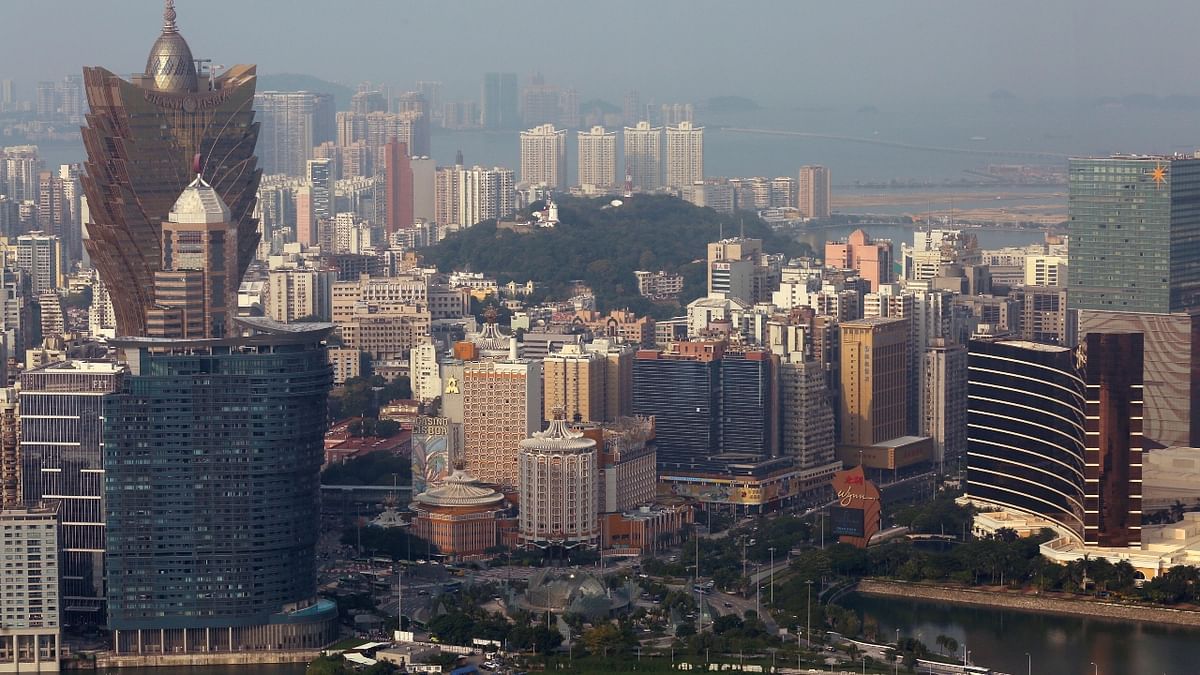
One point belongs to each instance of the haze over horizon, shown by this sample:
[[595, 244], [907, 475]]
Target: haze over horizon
[[777, 53]]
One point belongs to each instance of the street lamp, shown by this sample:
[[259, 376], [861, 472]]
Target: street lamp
[[897, 662], [1096, 668], [1028, 664], [772, 550], [808, 630]]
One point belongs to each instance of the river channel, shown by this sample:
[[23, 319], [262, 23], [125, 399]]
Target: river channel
[[1055, 644]]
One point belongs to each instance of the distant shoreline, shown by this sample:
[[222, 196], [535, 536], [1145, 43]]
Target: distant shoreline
[[1036, 604]]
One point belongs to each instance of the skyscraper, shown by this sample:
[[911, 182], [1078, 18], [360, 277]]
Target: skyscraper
[[943, 399], [502, 406], [574, 381], [598, 158], [1026, 430], [643, 156], [1112, 364], [30, 638], [141, 139], [399, 178], [293, 123], [212, 456], [544, 156], [62, 413], [318, 173], [873, 373], [40, 256], [813, 189], [558, 477], [685, 155], [499, 101], [1133, 224]]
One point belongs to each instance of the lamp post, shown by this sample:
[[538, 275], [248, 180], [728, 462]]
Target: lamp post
[[897, 662], [1095, 669], [757, 589], [1028, 664], [808, 630], [772, 550]]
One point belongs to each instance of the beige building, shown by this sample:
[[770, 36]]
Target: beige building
[[943, 406], [346, 362], [558, 480], [502, 406], [643, 156], [30, 637], [573, 380], [598, 158], [386, 331], [685, 155], [544, 156], [874, 391], [813, 192], [1046, 270], [295, 293]]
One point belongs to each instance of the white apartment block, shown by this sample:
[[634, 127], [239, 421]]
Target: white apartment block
[[643, 156], [685, 155], [30, 637], [598, 158], [544, 156]]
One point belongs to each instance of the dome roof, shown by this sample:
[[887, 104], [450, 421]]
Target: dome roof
[[460, 489], [199, 203], [558, 438], [170, 62]]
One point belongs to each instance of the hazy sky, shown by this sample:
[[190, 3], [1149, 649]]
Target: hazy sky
[[784, 51]]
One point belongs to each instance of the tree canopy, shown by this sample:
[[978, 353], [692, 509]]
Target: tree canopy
[[604, 245]]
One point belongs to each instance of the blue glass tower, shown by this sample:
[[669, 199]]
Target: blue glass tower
[[212, 454]]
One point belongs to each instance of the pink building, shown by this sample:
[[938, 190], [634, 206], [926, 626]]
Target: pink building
[[871, 259]]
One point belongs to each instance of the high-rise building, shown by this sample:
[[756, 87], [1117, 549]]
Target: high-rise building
[[482, 194], [1132, 224], [431, 91], [677, 113], [399, 178], [1171, 344], [643, 156], [502, 406], [708, 400], [292, 125], [498, 101], [1026, 427], [1114, 439], [685, 155], [544, 156], [598, 158], [424, 188], [873, 375], [813, 192], [40, 256], [539, 102], [631, 108], [195, 290], [212, 510], [62, 413], [163, 119], [558, 477], [573, 380], [943, 400], [30, 637], [319, 175], [1046, 270], [871, 259]]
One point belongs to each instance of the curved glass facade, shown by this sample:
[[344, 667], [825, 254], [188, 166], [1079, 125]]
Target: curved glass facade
[[212, 458], [1026, 430]]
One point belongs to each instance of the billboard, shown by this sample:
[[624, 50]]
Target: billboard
[[430, 453], [856, 493], [847, 522]]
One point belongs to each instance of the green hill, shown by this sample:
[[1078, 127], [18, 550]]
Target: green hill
[[603, 246]]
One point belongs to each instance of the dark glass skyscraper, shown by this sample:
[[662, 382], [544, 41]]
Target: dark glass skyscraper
[[499, 110], [1134, 222], [213, 450], [141, 139], [1025, 430]]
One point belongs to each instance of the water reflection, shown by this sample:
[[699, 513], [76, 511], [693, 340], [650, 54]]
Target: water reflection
[[1000, 639]]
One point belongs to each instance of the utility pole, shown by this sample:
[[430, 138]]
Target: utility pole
[[808, 630], [772, 550]]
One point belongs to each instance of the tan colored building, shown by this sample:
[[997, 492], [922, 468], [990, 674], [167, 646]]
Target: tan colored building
[[347, 363], [619, 323], [544, 156], [685, 155], [458, 516], [502, 406], [558, 471], [295, 293], [874, 392], [643, 156], [598, 158], [386, 331], [813, 192], [573, 380]]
